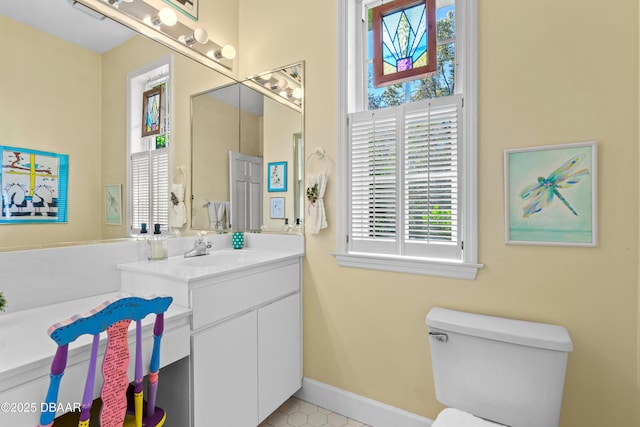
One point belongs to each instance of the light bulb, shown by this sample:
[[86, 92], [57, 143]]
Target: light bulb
[[228, 51], [297, 93], [199, 35], [266, 76], [168, 16], [282, 84], [284, 94]]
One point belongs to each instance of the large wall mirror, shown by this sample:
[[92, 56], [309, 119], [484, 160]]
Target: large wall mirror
[[64, 90], [243, 134]]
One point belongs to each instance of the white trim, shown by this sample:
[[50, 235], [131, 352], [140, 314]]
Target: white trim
[[356, 407], [412, 265], [469, 58], [345, 10]]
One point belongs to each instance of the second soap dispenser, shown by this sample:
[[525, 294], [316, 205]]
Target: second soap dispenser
[[157, 245]]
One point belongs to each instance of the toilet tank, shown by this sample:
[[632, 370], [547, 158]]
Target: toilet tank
[[504, 370]]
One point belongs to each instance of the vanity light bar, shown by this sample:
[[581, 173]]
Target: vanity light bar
[[159, 20]]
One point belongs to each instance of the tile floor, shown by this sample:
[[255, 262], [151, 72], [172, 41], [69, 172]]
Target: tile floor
[[298, 413]]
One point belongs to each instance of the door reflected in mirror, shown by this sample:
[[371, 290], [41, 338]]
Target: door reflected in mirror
[[236, 131]]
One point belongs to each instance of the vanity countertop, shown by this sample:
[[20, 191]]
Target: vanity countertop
[[216, 263]]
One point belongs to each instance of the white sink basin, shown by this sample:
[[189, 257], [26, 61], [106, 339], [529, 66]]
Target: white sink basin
[[220, 258]]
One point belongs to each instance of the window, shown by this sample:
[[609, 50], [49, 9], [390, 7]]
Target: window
[[404, 43], [148, 195], [409, 150]]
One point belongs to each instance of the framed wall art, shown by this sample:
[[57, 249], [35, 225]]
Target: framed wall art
[[34, 186], [152, 111], [276, 208], [277, 176], [551, 195], [187, 7], [113, 204]]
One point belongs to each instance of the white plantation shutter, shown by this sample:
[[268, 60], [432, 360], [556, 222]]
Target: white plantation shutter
[[150, 188], [431, 177], [141, 198], [160, 187], [374, 205], [404, 189]]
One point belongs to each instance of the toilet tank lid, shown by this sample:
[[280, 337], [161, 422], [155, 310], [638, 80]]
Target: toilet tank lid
[[532, 334]]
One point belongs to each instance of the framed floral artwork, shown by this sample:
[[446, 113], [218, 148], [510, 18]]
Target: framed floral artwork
[[277, 176]]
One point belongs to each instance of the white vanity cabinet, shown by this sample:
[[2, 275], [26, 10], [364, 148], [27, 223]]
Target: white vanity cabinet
[[246, 346], [246, 338], [224, 362], [279, 356]]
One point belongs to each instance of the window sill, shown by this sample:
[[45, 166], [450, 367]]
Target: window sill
[[411, 265]]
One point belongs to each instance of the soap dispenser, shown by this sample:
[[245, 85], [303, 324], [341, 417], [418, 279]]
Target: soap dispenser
[[157, 245], [143, 250]]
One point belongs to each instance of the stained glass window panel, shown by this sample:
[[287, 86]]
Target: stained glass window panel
[[404, 41]]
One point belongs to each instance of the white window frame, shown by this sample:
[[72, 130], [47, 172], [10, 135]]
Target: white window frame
[[157, 156], [351, 98]]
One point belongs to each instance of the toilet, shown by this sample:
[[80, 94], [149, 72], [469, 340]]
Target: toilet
[[492, 371]]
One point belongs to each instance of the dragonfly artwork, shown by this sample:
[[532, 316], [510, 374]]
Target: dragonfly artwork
[[542, 193]]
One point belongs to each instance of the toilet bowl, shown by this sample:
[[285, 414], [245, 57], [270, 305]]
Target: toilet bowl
[[493, 371], [451, 417]]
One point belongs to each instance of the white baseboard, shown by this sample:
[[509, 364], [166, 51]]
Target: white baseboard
[[359, 408]]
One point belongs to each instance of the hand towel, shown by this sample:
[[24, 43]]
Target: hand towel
[[216, 213], [451, 417], [316, 218], [177, 208]]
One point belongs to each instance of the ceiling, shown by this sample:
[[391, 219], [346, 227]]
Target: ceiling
[[60, 18]]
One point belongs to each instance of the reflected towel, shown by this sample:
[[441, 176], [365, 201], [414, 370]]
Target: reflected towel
[[316, 218], [227, 218], [177, 208], [451, 417], [216, 215]]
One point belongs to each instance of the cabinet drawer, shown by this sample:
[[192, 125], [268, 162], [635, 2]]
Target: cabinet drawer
[[228, 297]]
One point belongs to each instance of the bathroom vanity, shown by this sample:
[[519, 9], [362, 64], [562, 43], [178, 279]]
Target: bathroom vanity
[[232, 337], [246, 343]]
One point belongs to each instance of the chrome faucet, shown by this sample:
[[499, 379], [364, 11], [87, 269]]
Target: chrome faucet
[[200, 247]]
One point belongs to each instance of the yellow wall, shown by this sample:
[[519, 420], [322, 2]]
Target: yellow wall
[[216, 128], [32, 116], [280, 124], [549, 72]]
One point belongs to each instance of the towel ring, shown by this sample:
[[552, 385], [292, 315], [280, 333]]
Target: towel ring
[[321, 155], [179, 175]]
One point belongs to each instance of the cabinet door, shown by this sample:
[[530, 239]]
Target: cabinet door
[[225, 374], [279, 353]]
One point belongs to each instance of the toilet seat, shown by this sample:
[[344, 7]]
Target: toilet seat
[[451, 417]]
